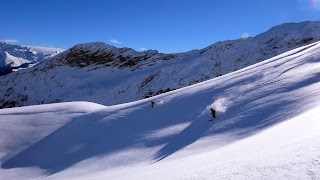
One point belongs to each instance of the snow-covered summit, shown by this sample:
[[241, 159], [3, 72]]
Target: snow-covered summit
[[14, 57]]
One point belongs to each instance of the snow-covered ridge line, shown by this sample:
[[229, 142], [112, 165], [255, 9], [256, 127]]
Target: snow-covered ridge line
[[280, 38], [101, 73]]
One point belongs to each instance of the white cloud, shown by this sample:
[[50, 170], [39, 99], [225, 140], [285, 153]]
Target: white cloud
[[9, 41], [46, 50], [115, 41], [310, 6], [245, 35], [143, 49]]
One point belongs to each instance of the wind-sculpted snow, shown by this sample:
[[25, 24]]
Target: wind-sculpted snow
[[267, 121], [103, 74]]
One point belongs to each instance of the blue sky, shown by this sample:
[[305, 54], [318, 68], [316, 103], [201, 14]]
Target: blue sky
[[165, 25]]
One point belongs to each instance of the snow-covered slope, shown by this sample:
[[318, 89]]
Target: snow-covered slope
[[267, 126], [15, 57], [101, 73]]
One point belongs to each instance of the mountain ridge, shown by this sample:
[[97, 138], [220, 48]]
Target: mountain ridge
[[101, 73]]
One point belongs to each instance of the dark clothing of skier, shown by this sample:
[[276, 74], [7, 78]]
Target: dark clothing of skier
[[213, 113], [152, 104]]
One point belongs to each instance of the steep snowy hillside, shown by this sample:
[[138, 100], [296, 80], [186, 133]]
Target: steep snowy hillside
[[101, 73], [267, 126], [15, 57]]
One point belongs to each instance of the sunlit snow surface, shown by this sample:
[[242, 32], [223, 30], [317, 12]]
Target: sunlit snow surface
[[267, 126]]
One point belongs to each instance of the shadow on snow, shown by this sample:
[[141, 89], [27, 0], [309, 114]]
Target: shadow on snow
[[104, 133]]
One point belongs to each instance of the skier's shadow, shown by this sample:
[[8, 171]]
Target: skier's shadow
[[186, 137]]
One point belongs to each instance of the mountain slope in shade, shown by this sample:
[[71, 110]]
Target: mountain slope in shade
[[101, 73], [267, 126]]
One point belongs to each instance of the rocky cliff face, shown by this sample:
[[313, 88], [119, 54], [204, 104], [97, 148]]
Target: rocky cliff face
[[101, 73], [102, 55]]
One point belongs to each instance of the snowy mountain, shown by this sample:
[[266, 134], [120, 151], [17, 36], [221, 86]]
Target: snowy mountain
[[267, 127], [103, 74], [15, 57]]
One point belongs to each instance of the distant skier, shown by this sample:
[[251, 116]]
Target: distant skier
[[152, 104], [213, 113]]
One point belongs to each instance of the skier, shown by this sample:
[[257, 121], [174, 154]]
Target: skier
[[152, 104], [213, 113]]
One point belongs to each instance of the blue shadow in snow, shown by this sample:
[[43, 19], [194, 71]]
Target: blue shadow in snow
[[248, 121], [90, 136]]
